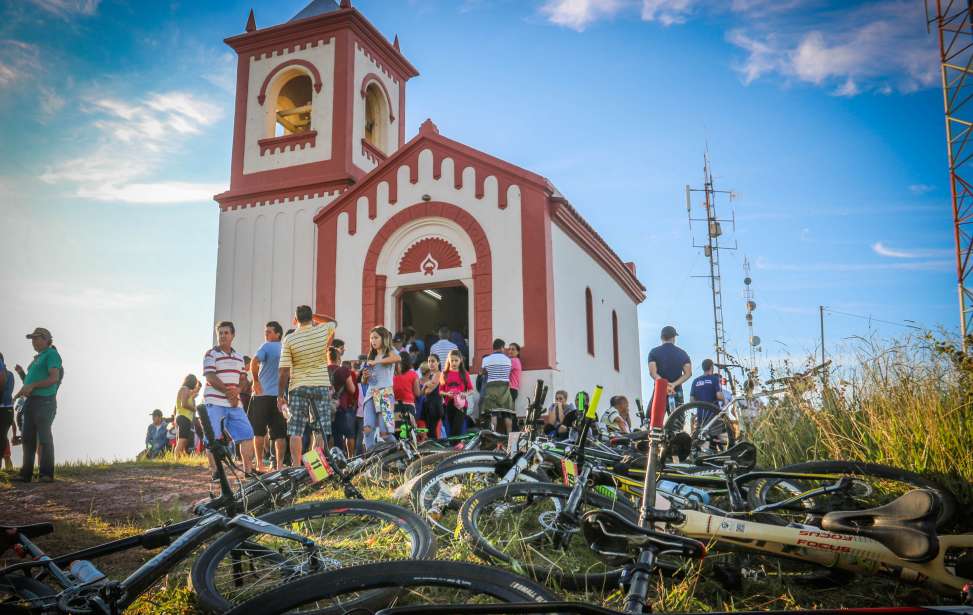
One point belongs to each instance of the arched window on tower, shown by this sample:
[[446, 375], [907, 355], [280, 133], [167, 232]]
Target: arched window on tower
[[293, 107], [615, 360], [589, 314], [376, 117]]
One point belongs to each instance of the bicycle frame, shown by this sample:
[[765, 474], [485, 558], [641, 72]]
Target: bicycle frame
[[856, 554]]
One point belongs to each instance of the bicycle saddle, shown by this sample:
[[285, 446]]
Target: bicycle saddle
[[744, 454], [32, 530], [611, 535], [906, 526]]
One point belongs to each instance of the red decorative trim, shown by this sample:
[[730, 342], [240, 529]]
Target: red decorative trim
[[462, 155], [428, 256], [371, 152], [285, 64], [288, 142], [373, 291], [239, 200], [589, 319], [372, 77], [291, 35], [574, 225], [615, 356]]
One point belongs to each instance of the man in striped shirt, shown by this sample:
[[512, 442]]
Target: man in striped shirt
[[224, 373], [496, 392], [305, 385], [443, 347]]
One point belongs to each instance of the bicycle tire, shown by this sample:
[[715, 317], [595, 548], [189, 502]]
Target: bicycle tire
[[397, 577], [677, 422], [572, 575], [425, 463], [761, 491], [428, 487], [470, 457], [208, 583]]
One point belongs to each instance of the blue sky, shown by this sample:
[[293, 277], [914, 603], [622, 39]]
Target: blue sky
[[825, 117]]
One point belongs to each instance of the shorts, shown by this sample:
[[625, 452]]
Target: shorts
[[185, 427], [344, 423], [380, 410], [234, 421], [310, 404], [264, 416]]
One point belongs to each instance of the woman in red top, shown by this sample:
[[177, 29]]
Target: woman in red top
[[405, 386], [454, 384]]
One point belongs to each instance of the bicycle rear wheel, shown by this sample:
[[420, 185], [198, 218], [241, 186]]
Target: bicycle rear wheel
[[406, 583], [242, 564], [871, 485], [520, 526], [691, 419]]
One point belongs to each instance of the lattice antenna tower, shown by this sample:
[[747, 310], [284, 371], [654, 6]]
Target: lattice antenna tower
[[753, 341], [711, 247], [955, 28]]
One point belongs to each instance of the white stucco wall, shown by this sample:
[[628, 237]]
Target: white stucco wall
[[322, 117], [365, 64], [575, 270], [266, 266], [501, 226]]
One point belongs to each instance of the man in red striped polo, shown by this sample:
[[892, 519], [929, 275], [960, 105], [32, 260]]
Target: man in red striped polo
[[223, 368]]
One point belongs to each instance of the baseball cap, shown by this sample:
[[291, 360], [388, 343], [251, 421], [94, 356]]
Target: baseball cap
[[40, 332], [157, 412], [669, 331]]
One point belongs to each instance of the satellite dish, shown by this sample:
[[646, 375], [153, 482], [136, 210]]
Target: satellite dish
[[751, 306], [754, 340], [747, 280]]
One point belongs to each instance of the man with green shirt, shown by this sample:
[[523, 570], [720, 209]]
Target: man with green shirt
[[41, 382]]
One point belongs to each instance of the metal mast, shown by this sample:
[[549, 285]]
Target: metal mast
[[753, 341], [712, 249], [955, 30]]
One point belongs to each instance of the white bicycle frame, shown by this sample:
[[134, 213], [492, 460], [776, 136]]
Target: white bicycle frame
[[856, 554]]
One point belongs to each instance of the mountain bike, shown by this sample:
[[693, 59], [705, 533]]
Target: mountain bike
[[250, 556]]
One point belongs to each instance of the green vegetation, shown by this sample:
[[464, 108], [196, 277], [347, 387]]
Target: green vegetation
[[909, 404]]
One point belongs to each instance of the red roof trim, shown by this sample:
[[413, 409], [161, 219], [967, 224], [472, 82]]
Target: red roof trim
[[283, 36], [571, 222]]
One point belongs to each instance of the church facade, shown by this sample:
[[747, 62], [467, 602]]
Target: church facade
[[329, 205]]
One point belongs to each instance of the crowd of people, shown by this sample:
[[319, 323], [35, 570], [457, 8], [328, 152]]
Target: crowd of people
[[267, 404]]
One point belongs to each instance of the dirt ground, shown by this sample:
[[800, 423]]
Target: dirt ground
[[98, 505]]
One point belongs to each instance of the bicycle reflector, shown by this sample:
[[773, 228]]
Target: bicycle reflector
[[660, 401]]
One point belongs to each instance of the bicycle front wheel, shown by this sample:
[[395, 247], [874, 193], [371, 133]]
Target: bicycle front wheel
[[868, 485], [242, 564], [406, 583], [525, 526]]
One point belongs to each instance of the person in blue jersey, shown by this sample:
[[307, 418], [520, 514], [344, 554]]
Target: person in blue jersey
[[708, 388]]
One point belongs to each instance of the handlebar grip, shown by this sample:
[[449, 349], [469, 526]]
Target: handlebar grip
[[592, 412], [660, 402]]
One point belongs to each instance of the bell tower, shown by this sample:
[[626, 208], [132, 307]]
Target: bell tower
[[320, 102]]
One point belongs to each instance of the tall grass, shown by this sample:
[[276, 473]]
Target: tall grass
[[907, 404]]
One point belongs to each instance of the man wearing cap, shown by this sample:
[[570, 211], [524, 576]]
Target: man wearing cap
[[670, 362], [157, 436], [41, 382]]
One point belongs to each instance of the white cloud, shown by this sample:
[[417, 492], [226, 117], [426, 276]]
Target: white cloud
[[18, 61], [579, 14], [135, 139], [51, 102], [921, 188], [883, 250], [667, 12], [221, 72], [879, 47], [67, 8]]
